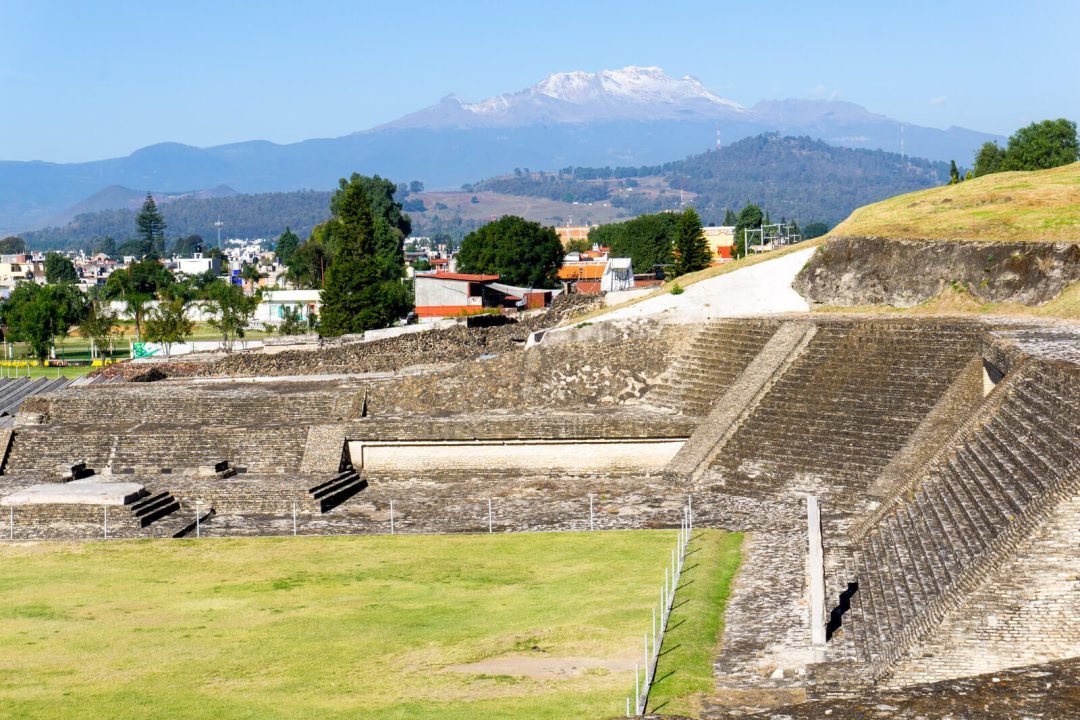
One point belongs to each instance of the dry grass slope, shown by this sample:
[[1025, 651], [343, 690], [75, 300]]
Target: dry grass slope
[[1041, 206]]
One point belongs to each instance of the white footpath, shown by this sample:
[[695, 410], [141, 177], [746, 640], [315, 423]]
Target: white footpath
[[761, 289]]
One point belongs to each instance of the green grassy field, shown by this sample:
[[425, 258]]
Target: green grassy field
[[522, 626], [1042, 206]]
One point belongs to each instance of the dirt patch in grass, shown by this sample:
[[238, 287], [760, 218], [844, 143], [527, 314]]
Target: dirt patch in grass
[[540, 666]]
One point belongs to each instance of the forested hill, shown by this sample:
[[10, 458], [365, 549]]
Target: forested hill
[[262, 215], [792, 177]]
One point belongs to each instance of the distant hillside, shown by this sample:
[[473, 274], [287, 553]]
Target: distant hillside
[[118, 197], [263, 215], [632, 116], [1043, 205], [799, 178]]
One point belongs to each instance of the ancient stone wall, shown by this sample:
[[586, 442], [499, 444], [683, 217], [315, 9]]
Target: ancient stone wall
[[599, 365], [851, 271]]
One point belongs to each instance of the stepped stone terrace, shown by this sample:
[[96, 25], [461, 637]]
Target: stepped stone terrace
[[942, 453]]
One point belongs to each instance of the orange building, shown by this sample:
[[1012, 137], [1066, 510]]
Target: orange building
[[573, 232], [721, 239], [583, 278]]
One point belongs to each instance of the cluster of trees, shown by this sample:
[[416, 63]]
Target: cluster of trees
[[676, 240], [157, 301], [1039, 146], [252, 216]]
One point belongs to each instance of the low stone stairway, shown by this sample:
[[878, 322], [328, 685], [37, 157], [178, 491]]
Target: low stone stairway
[[328, 495], [716, 357], [154, 507]]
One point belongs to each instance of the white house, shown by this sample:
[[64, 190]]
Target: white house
[[271, 309]]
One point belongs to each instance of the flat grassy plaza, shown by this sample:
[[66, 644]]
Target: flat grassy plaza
[[461, 626]]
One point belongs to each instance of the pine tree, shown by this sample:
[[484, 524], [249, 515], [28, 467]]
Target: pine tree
[[691, 248], [729, 218], [954, 173], [151, 228], [352, 299]]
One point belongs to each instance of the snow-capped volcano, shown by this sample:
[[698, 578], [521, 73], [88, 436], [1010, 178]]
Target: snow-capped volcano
[[633, 84], [632, 93]]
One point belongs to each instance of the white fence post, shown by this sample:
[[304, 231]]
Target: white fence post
[[667, 602]]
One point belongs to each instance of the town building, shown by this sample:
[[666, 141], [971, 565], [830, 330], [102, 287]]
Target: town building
[[447, 294], [573, 232], [272, 307], [721, 239]]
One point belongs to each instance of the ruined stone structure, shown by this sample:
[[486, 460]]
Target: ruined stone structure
[[942, 452]]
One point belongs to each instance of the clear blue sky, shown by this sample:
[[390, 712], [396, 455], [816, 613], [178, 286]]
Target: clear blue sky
[[88, 80]]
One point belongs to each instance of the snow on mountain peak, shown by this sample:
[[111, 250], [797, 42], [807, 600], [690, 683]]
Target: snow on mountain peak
[[630, 93], [642, 85]]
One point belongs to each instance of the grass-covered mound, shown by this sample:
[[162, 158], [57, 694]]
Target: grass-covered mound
[[1041, 206], [523, 625]]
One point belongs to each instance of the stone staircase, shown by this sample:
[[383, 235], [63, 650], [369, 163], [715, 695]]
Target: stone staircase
[[933, 546], [843, 409], [328, 495], [715, 358], [154, 507]]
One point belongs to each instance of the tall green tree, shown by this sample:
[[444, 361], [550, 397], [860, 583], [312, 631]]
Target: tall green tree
[[38, 314], [99, 324], [355, 297], [150, 228], [12, 245], [59, 269], [188, 246], [749, 218], [729, 217], [691, 248], [954, 173], [647, 240], [168, 323], [1042, 145], [286, 245], [989, 159], [137, 285], [231, 310], [521, 252], [813, 230]]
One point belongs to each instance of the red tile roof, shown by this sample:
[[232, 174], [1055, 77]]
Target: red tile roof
[[459, 276]]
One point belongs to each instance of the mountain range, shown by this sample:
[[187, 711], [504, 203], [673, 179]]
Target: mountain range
[[629, 117]]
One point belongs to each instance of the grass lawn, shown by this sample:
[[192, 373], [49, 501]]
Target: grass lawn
[[48, 372], [521, 625], [684, 675]]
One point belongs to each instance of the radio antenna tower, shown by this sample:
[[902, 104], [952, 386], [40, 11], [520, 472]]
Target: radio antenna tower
[[717, 138], [219, 225]]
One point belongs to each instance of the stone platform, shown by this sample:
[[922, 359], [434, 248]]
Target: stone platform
[[78, 492]]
